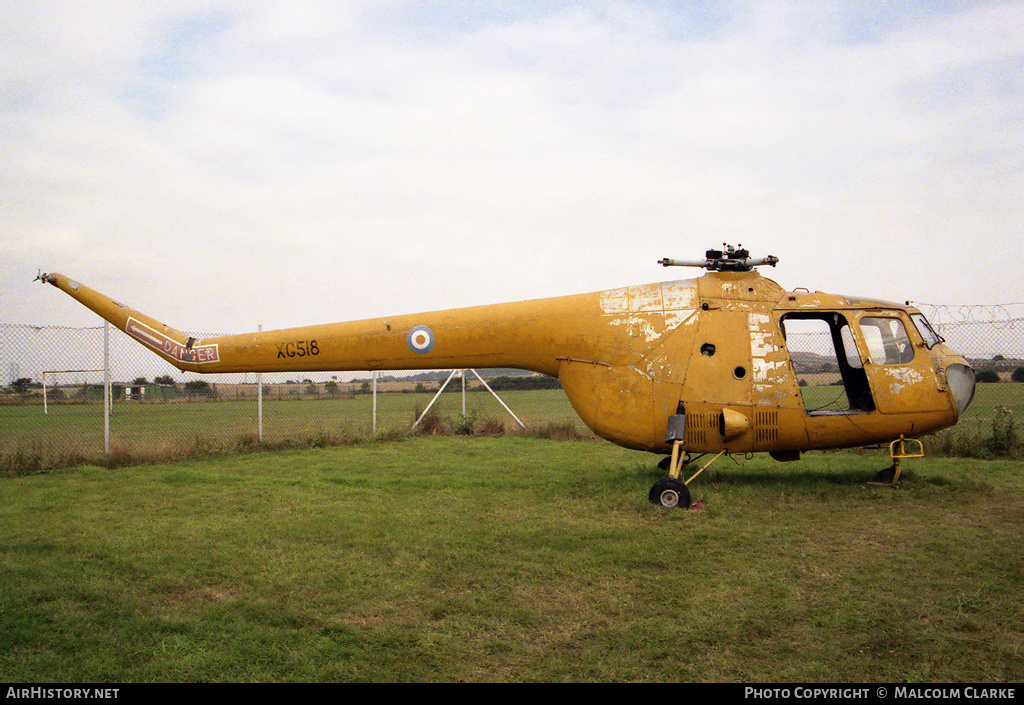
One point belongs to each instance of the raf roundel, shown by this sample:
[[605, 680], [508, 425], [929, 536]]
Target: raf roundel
[[420, 339]]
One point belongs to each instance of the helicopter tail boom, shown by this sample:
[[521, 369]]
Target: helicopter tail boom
[[171, 344], [500, 335]]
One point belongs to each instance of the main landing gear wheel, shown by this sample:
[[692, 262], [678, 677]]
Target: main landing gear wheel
[[670, 492]]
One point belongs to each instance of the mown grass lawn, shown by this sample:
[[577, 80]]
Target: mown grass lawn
[[510, 559]]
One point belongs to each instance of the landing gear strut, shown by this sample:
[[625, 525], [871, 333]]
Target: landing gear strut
[[670, 491], [898, 451]]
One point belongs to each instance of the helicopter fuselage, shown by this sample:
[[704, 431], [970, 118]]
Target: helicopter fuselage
[[709, 357]]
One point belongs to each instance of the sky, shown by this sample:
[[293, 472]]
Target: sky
[[223, 166]]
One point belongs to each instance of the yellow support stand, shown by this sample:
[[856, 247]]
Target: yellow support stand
[[898, 451]]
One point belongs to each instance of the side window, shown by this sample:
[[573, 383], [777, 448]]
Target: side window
[[887, 340]]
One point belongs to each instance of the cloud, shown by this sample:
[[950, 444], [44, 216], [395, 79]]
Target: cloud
[[298, 163]]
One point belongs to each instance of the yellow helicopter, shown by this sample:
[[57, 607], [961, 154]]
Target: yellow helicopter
[[683, 368]]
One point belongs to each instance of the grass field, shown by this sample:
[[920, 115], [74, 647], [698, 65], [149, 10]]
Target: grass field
[[72, 433], [510, 559]]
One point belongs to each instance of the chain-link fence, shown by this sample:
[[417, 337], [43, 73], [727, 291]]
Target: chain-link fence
[[52, 405]]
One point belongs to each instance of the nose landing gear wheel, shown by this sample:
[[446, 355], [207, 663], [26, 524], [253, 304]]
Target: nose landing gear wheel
[[670, 493], [887, 476]]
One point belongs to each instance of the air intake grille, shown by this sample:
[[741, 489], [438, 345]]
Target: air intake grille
[[698, 427], [766, 426]]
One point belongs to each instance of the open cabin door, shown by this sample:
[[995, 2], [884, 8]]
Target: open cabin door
[[827, 362]]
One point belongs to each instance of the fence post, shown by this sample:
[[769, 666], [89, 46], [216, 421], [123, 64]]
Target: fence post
[[454, 372], [106, 389], [259, 400]]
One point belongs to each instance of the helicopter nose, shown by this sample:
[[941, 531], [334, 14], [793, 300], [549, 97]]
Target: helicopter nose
[[961, 384]]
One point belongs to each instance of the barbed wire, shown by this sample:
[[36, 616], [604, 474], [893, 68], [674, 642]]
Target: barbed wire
[[26, 326], [996, 315]]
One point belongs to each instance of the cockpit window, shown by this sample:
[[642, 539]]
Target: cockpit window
[[887, 340], [926, 330]]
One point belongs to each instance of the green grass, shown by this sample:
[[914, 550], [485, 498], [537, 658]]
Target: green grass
[[510, 559], [70, 434]]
